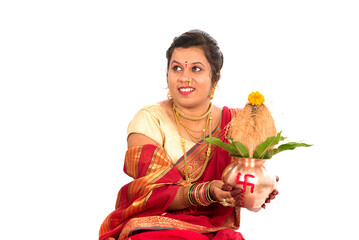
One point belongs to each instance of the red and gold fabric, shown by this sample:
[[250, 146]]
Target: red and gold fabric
[[141, 204]]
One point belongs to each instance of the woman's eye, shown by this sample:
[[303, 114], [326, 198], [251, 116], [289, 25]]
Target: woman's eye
[[196, 69], [177, 68]]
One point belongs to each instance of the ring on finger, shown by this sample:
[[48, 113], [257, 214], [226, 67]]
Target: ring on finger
[[225, 203]]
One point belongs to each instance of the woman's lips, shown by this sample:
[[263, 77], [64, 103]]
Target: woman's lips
[[185, 90]]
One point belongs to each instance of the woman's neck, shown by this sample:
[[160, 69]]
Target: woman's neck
[[201, 110]]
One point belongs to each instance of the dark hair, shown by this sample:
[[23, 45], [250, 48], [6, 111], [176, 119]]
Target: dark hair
[[198, 38]]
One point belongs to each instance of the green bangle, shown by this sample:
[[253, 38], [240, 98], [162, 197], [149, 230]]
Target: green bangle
[[190, 194]]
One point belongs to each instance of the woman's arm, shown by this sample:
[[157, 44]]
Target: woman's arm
[[218, 191], [181, 200], [137, 139]]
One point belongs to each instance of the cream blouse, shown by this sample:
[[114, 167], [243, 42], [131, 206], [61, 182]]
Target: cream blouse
[[153, 122]]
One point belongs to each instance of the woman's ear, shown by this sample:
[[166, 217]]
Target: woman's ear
[[218, 77]]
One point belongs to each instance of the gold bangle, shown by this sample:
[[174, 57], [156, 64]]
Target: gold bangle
[[209, 192], [202, 194], [196, 194]]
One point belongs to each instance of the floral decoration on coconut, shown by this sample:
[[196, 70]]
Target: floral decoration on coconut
[[252, 133]]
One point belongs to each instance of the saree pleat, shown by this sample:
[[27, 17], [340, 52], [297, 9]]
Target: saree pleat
[[141, 204]]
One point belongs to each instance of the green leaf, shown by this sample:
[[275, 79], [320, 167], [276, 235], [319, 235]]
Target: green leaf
[[262, 148], [228, 147], [230, 140], [272, 152], [243, 151], [237, 149], [284, 147], [292, 145]]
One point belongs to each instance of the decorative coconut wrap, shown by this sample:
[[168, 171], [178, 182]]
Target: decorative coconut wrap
[[252, 136], [253, 125]]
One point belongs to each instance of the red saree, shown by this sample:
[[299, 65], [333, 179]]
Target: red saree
[[141, 205]]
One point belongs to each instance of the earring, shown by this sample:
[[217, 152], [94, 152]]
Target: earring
[[212, 92], [169, 96]]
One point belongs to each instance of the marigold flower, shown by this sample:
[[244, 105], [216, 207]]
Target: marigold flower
[[256, 98]]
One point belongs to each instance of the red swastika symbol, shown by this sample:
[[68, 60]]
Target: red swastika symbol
[[245, 183]]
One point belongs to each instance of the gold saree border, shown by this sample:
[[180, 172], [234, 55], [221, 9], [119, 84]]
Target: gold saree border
[[162, 223], [140, 187]]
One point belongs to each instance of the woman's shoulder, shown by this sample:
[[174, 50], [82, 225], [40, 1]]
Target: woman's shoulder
[[154, 110], [147, 121], [155, 107], [152, 113]]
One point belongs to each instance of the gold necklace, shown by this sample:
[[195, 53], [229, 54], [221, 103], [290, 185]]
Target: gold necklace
[[188, 179], [182, 114], [189, 130]]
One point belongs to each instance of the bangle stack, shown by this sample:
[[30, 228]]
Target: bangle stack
[[199, 194]]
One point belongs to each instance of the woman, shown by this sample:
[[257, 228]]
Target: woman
[[177, 192]]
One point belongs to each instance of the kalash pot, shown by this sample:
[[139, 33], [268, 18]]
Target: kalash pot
[[252, 177]]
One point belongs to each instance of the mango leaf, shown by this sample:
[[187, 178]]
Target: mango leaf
[[271, 153], [228, 147], [262, 148], [243, 151], [284, 147], [230, 140]]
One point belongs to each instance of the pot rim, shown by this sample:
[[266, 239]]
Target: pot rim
[[253, 160]]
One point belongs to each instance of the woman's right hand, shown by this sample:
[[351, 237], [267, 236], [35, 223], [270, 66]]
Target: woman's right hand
[[226, 194]]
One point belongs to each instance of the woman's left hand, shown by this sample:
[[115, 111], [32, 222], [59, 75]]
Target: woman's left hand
[[271, 196], [237, 196], [226, 194]]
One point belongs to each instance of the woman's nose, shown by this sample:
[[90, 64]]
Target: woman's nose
[[185, 77]]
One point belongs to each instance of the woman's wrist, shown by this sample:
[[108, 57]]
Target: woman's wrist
[[210, 196], [199, 194], [184, 197]]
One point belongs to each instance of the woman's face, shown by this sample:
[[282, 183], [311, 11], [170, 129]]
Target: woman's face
[[189, 77]]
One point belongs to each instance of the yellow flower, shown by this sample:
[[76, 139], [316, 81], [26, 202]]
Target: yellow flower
[[256, 98]]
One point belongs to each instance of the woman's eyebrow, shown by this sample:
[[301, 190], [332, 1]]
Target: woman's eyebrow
[[174, 61], [199, 63]]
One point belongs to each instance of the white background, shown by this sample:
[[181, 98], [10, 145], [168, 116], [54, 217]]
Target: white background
[[73, 74]]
